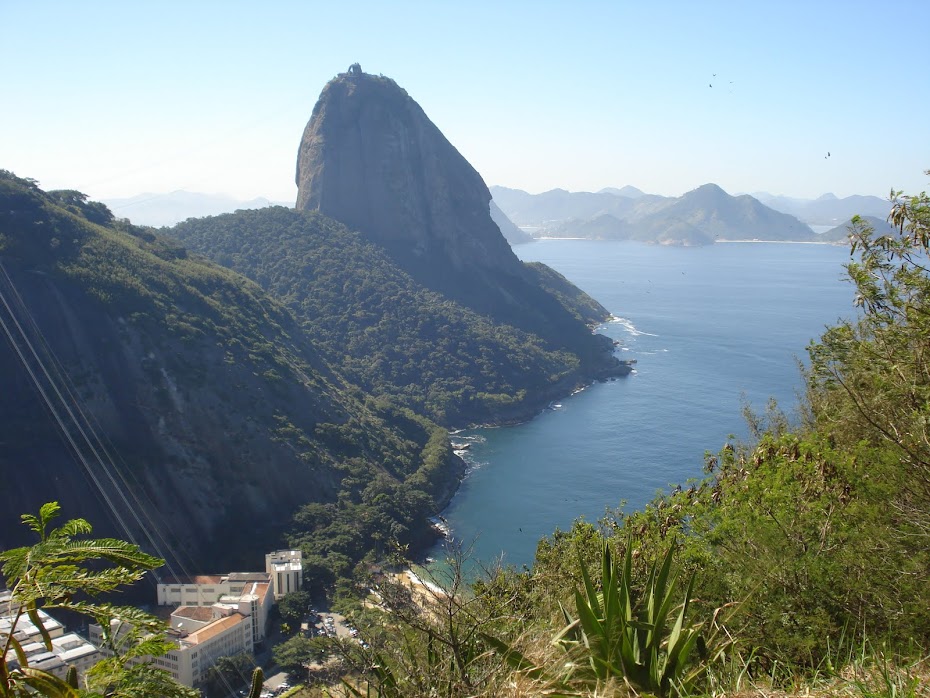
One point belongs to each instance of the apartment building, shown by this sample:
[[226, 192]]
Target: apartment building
[[201, 635], [68, 649], [247, 593], [286, 570]]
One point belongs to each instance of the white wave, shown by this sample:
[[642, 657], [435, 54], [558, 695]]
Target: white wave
[[416, 579], [629, 326]]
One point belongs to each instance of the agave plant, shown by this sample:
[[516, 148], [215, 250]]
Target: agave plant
[[645, 642]]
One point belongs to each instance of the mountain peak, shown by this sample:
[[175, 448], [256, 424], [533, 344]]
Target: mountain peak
[[707, 193], [629, 191], [372, 159], [710, 187]]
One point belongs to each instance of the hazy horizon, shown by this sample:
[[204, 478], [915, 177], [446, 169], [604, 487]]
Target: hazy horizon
[[121, 99]]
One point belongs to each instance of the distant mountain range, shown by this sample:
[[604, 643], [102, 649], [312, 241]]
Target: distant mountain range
[[827, 209], [698, 217], [173, 207], [841, 232], [160, 210]]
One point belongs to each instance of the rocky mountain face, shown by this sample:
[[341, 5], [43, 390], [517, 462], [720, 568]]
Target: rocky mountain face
[[511, 232], [371, 159], [191, 396]]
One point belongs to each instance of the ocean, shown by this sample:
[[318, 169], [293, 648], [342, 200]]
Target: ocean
[[711, 329]]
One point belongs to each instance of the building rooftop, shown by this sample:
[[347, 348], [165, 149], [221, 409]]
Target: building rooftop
[[285, 565], [72, 646], [262, 589], [201, 613], [248, 577], [26, 629], [195, 579], [215, 628]]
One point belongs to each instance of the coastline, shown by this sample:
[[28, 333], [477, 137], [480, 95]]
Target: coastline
[[608, 367], [787, 242], [716, 241]]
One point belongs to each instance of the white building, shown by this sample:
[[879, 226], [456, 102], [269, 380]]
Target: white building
[[286, 570], [247, 593], [201, 635], [68, 649]]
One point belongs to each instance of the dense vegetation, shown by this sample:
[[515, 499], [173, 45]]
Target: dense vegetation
[[385, 331], [801, 557], [254, 424]]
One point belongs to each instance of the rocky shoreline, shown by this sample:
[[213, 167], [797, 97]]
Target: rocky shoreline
[[522, 413]]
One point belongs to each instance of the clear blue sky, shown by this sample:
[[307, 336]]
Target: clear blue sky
[[120, 98]]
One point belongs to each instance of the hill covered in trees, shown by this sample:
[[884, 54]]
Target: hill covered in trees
[[201, 410], [386, 331]]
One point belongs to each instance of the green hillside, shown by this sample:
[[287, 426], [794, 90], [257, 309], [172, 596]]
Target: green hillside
[[220, 416], [384, 330]]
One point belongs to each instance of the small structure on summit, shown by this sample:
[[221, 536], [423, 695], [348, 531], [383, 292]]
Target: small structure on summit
[[355, 69]]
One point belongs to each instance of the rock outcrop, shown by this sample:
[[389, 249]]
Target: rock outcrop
[[371, 159]]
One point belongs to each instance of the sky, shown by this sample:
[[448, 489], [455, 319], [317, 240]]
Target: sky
[[121, 98]]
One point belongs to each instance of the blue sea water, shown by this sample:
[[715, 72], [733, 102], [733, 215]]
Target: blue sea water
[[710, 328]]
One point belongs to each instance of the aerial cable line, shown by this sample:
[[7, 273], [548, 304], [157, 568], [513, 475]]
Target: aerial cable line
[[150, 527], [67, 433], [70, 413], [61, 425]]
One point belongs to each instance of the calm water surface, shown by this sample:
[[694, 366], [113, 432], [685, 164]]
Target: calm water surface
[[709, 327]]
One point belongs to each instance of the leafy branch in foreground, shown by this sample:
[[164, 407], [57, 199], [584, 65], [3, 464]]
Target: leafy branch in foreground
[[55, 573]]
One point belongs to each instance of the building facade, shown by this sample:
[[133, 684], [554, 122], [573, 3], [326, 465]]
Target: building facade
[[68, 649], [286, 570], [198, 642], [248, 593]]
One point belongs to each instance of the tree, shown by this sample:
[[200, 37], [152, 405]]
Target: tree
[[871, 378], [64, 570], [228, 672], [294, 607], [78, 202], [298, 651], [431, 639]]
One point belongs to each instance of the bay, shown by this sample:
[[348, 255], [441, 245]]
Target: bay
[[711, 328]]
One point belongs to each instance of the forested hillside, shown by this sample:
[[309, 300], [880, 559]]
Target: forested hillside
[[209, 414], [387, 332]]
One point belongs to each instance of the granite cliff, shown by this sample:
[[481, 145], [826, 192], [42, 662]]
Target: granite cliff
[[371, 159]]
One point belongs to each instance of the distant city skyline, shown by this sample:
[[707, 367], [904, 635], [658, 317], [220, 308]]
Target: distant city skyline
[[792, 98]]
